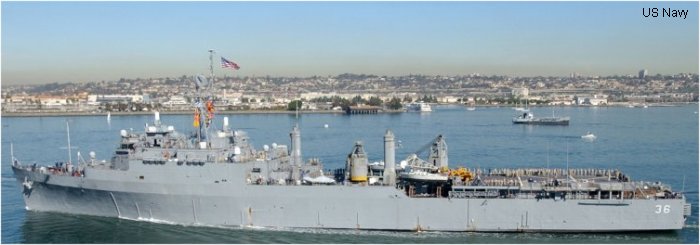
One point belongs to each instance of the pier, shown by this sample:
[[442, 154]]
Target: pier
[[362, 110]]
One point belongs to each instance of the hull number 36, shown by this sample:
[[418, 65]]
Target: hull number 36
[[663, 208]]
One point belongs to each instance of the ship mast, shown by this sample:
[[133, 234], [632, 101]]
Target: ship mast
[[203, 100], [211, 67], [203, 85], [197, 103]]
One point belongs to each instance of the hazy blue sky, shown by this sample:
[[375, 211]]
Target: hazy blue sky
[[91, 41]]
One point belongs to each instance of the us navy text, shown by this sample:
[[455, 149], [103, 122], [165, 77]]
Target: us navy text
[[665, 12]]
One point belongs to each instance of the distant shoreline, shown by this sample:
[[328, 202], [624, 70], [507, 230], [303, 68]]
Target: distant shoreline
[[137, 113]]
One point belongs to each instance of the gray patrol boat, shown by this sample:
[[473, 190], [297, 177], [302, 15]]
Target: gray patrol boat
[[528, 118], [219, 179]]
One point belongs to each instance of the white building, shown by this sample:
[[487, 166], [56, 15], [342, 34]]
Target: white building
[[448, 99], [312, 95], [175, 101], [53, 101], [520, 92], [109, 98], [595, 101]]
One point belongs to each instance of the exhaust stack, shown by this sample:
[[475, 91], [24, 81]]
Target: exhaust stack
[[389, 156]]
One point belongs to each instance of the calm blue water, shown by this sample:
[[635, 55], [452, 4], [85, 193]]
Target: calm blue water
[[651, 144]]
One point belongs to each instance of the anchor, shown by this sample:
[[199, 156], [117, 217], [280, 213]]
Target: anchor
[[27, 186]]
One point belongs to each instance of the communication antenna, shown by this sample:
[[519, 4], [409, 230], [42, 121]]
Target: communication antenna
[[683, 190], [552, 111], [12, 153], [567, 160], [547, 154], [70, 159]]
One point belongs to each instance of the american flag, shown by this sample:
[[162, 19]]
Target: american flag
[[226, 63]]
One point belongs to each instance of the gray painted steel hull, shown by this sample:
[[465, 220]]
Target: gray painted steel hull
[[185, 197]]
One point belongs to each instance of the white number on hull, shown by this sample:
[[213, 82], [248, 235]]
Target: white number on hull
[[665, 209]]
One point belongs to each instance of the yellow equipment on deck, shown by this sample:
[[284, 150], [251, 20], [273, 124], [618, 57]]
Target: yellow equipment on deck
[[463, 173]]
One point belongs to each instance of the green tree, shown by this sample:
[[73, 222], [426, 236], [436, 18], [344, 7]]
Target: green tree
[[357, 100], [375, 101], [294, 105], [394, 103], [342, 102]]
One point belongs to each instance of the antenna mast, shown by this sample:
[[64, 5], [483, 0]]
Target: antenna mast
[[683, 190], [12, 153], [567, 160], [211, 66], [70, 160], [547, 154]]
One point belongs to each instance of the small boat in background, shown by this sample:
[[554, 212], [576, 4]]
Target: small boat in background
[[588, 136], [528, 118], [419, 106]]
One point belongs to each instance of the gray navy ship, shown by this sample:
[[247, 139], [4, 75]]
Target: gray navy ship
[[528, 118], [217, 178]]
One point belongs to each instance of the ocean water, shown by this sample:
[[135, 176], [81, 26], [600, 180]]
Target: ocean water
[[656, 143]]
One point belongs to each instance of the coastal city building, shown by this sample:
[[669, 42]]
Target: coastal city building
[[643, 73], [274, 93], [595, 100]]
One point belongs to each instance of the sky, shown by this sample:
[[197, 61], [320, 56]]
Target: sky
[[45, 42]]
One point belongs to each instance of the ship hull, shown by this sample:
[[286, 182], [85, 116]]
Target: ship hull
[[341, 207]]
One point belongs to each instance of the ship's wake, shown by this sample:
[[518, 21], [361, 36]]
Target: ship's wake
[[151, 220], [301, 230]]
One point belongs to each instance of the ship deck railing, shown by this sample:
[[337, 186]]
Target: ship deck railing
[[507, 192], [50, 170]]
